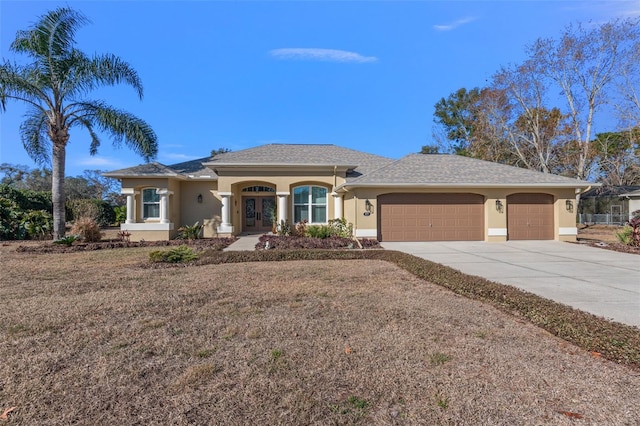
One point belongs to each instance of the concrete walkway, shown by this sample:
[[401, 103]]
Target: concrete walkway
[[603, 282], [244, 243]]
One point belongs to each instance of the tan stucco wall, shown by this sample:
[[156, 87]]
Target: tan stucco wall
[[185, 210], [495, 221]]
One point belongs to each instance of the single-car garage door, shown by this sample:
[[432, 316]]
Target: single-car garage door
[[431, 217], [530, 217]]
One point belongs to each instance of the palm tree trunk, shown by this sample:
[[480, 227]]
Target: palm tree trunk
[[57, 190]]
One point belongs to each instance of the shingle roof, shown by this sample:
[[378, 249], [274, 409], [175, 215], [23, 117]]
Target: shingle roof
[[453, 170], [302, 154], [148, 169]]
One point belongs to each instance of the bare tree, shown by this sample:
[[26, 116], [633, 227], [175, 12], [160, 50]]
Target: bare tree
[[585, 62]]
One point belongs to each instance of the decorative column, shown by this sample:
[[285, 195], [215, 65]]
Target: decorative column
[[337, 205], [164, 204], [131, 202], [282, 206], [225, 225]]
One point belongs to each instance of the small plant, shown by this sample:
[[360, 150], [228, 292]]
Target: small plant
[[318, 231], [192, 232], [67, 240], [180, 254], [284, 229], [88, 229], [439, 358], [359, 403], [340, 228], [442, 401], [124, 236], [301, 228]]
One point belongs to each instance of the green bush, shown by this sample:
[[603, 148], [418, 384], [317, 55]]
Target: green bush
[[340, 228], [38, 224], [192, 232], [318, 231], [10, 219], [88, 229], [27, 199], [624, 235], [180, 254], [120, 213]]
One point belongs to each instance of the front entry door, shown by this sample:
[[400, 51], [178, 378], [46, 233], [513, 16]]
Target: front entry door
[[257, 213]]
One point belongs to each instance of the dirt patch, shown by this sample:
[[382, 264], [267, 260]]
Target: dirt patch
[[604, 236], [90, 337]]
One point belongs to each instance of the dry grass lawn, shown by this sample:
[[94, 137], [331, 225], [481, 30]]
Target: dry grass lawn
[[93, 338]]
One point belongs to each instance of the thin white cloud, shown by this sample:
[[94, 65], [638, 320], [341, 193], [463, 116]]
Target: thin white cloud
[[174, 156], [324, 55], [455, 24], [99, 162]]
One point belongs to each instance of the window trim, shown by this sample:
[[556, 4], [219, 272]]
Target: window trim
[[145, 203], [310, 204]]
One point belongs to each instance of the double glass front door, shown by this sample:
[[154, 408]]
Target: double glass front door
[[258, 213]]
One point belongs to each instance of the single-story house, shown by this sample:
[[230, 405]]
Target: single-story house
[[420, 197], [610, 204], [633, 198]]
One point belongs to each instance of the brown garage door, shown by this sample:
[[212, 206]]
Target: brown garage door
[[431, 217], [530, 217]]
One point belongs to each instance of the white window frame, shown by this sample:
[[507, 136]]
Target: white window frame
[[310, 204], [145, 203]]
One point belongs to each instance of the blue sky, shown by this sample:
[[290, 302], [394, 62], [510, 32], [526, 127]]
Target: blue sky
[[236, 74]]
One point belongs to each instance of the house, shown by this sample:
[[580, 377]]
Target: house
[[420, 197], [611, 204], [633, 200]]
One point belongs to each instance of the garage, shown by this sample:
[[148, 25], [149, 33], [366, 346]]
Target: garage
[[530, 217], [431, 217]]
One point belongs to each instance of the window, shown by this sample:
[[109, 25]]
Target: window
[[150, 204], [258, 188], [310, 203]]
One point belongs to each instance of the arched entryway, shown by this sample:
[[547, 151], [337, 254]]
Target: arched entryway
[[258, 208]]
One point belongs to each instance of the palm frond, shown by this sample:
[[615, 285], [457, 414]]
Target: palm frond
[[52, 35], [95, 140], [122, 126], [35, 140], [24, 83]]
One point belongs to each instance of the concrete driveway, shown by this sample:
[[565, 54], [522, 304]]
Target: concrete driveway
[[599, 281]]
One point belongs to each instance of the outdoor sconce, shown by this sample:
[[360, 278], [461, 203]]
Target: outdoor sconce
[[368, 207], [499, 206], [199, 198], [569, 206]]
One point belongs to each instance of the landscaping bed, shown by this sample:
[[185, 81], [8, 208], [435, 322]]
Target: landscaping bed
[[214, 244], [276, 242]]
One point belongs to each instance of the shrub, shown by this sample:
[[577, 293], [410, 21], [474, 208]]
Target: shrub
[[192, 232], [340, 228], [120, 213], [27, 199], [88, 229], [38, 224], [318, 231], [284, 228], [96, 209], [180, 254], [301, 228], [10, 218]]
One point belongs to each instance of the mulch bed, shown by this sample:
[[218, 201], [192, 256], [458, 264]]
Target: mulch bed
[[50, 247], [619, 247]]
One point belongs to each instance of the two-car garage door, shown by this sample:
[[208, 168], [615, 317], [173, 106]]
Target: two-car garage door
[[431, 217], [460, 217]]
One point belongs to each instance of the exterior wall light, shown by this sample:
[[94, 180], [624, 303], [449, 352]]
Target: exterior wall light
[[569, 206], [368, 207], [499, 206], [199, 198]]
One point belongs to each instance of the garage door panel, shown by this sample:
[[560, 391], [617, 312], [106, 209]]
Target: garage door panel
[[530, 217], [431, 217]]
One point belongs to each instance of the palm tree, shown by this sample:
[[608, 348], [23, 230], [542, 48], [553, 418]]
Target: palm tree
[[53, 86]]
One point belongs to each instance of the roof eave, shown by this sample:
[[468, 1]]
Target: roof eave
[[471, 185]]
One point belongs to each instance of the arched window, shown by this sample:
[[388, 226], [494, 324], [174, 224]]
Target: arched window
[[150, 204], [310, 203]]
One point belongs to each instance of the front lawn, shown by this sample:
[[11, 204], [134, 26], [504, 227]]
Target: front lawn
[[95, 338]]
